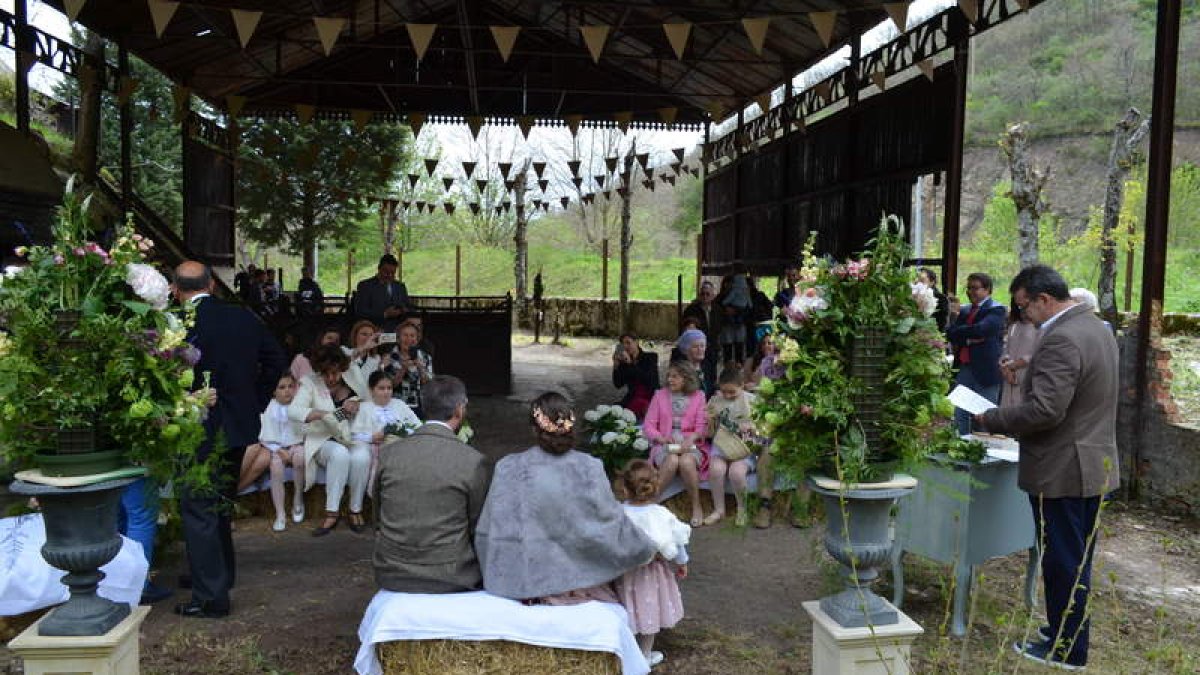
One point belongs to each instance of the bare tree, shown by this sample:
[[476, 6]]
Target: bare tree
[[626, 235], [1028, 183], [521, 253], [1127, 135]]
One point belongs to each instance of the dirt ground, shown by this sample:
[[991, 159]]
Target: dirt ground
[[298, 600]]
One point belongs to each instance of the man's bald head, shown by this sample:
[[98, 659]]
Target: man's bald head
[[192, 278]]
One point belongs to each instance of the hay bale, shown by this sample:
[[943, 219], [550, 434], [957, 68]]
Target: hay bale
[[782, 506], [11, 626], [465, 657]]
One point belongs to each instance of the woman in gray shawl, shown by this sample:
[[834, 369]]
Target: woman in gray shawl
[[551, 531]]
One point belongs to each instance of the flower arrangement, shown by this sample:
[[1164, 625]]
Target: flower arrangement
[[811, 399], [90, 345], [614, 436]]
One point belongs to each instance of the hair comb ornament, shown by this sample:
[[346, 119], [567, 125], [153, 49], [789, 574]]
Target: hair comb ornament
[[549, 426]]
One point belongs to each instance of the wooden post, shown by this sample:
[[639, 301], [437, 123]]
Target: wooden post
[[604, 269], [457, 270], [126, 122], [954, 170], [349, 271], [699, 262], [400, 264], [24, 50]]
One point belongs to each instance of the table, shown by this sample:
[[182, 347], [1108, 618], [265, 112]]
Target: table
[[964, 513]]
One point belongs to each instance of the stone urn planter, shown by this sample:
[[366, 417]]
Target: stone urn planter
[[858, 536], [81, 536]]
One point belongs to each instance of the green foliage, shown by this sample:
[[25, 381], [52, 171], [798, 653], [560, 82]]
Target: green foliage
[[302, 184], [806, 406], [614, 437]]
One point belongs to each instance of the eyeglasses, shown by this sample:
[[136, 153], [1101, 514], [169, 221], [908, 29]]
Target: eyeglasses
[[974, 287]]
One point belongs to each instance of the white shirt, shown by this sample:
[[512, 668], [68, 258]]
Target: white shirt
[[443, 424], [1047, 322]]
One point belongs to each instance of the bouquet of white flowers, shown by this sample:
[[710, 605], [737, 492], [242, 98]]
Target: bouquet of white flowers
[[614, 436]]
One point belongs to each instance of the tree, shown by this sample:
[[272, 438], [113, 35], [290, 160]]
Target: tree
[[300, 184], [1127, 136], [1027, 184]]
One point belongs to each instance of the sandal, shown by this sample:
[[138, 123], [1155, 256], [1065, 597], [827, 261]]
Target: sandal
[[331, 521], [697, 520], [357, 524], [714, 517]]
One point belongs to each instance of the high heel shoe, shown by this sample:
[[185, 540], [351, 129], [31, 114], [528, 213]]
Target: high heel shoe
[[357, 524], [324, 529]]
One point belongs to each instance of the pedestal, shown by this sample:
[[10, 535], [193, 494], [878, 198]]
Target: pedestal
[[114, 653], [860, 651]]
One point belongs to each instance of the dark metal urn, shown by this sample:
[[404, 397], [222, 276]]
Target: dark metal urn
[[81, 536], [857, 535]]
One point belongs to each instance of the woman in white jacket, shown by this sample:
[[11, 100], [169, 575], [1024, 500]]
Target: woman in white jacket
[[364, 357], [325, 404], [376, 417]]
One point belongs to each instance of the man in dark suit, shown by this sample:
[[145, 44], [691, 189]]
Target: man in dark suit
[[1067, 428], [431, 487], [977, 339], [382, 299], [243, 363]]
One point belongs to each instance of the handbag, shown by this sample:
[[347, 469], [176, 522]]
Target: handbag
[[731, 446]]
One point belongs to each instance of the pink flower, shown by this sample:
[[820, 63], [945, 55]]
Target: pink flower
[[21, 251], [80, 252], [58, 259], [806, 409]]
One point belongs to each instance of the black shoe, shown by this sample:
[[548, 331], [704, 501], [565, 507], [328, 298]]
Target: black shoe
[[152, 593], [200, 610], [1044, 654], [322, 530], [357, 524]]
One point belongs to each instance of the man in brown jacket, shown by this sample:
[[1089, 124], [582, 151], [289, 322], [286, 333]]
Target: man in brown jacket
[[430, 490], [1067, 429]]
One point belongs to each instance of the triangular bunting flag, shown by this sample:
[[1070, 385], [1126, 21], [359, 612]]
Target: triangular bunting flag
[[880, 79], [577, 181], [574, 166], [537, 204], [671, 180], [668, 115], [899, 13], [824, 90], [677, 35], [538, 168], [594, 37], [499, 210], [1024, 4], [610, 163], [970, 9], [599, 180], [623, 191], [474, 206], [504, 167], [507, 205], [328, 30], [481, 185], [823, 23], [304, 112], [474, 123], [756, 30], [505, 37], [448, 207], [509, 185], [662, 178], [406, 204], [180, 95], [679, 153], [648, 184], [416, 120], [161, 12], [623, 119], [361, 119], [412, 181], [588, 198], [125, 89], [715, 110], [431, 166], [764, 102], [468, 169], [447, 183], [926, 66], [420, 204], [245, 21], [573, 122], [542, 185], [644, 160], [525, 122], [72, 8], [420, 34], [564, 201], [608, 195]]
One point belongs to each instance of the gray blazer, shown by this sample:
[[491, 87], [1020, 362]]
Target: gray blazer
[[1067, 421], [430, 490]]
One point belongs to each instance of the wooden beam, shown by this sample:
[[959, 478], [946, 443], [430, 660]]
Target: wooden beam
[[465, 17], [22, 75]]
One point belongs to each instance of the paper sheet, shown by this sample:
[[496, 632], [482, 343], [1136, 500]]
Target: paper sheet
[[969, 400]]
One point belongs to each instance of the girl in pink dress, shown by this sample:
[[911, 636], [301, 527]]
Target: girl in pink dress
[[650, 593], [676, 425]]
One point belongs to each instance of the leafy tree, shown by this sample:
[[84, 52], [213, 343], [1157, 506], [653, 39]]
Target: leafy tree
[[302, 184]]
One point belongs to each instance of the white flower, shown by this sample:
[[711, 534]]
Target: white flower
[[148, 284], [603, 409], [628, 415], [608, 437], [591, 415], [5, 344], [640, 444], [925, 299]]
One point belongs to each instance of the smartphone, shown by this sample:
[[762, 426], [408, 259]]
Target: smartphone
[[387, 338]]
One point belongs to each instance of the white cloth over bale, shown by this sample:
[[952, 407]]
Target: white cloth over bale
[[591, 626], [28, 582]]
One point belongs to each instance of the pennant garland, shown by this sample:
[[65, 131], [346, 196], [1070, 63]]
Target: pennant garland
[[416, 120], [505, 37], [468, 169], [538, 168], [574, 166], [677, 35], [361, 119], [305, 112], [643, 159], [756, 30], [504, 167], [542, 185], [573, 122], [161, 12], [823, 23], [926, 66], [420, 34], [898, 11], [970, 8], [72, 8], [594, 37], [245, 21], [328, 30], [431, 166], [610, 163], [447, 183], [474, 123], [412, 182], [623, 119], [525, 122], [679, 153], [668, 115], [481, 185]]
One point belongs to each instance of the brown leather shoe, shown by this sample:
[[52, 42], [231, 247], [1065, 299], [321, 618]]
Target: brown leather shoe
[[762, 518]]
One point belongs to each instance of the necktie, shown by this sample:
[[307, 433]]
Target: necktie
[[964, 354]]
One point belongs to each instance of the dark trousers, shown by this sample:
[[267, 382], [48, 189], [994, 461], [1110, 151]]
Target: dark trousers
[[206, 533], [1066, 529]]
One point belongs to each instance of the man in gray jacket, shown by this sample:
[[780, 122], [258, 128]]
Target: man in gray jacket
[[1066, 424], [430, 490]]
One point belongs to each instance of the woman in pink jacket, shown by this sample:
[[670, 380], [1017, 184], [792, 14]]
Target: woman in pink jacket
[[676, 425]]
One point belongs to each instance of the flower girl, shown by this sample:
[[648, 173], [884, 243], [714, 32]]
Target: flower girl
[[379, 417], [650, 593], [284, 439]]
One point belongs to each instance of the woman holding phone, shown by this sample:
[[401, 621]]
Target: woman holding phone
[[409, 366], [363, 352]]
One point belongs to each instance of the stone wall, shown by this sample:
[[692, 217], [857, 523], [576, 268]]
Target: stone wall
[[1168, 467], [593, 316]]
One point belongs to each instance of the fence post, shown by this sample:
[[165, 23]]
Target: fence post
[[349, 270], [604, 270], [457, 270]]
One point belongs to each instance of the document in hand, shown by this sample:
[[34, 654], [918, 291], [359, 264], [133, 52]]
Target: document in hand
[[969, 400]]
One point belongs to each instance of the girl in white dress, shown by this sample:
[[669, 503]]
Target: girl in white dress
[[375, 416], [283, 438], [650, 593]]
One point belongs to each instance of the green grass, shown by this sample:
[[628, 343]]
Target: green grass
[[489, 271]]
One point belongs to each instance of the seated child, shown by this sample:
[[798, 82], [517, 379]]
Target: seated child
[[379, 417], [280, 443], [729, 408]]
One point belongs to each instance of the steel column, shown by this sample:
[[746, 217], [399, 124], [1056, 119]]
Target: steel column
[[24, 50]]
